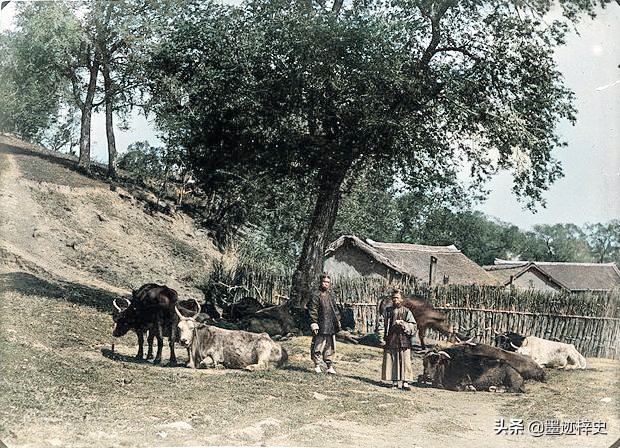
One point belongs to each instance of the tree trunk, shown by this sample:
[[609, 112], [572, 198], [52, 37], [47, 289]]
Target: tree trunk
[[109, 126], [87, 110], [305, 277]]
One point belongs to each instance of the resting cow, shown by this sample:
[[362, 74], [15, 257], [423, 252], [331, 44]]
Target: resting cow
[[544, 352], [525, 365], [236, 349], [151, 309], [456, 369]]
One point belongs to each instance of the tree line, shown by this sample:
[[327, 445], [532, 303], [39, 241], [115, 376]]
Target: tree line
[[301, 120]]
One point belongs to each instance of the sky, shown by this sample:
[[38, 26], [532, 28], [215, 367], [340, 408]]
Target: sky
[[589, 192]]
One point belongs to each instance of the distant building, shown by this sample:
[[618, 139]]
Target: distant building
[[555, 276], [350, 256]]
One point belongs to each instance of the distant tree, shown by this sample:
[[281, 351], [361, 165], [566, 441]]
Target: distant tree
[[143, 160], [561, 242], [59, 48], [302, 89], [64, 47], [604, 240], [32, 97]]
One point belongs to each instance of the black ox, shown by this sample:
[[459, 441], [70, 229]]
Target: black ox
[[456, 368], [151, 309]]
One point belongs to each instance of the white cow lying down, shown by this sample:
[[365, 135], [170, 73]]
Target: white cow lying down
[[236, 349], [544, 352], [552, 353]]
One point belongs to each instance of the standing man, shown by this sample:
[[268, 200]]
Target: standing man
[[399, 326], [325, 323]]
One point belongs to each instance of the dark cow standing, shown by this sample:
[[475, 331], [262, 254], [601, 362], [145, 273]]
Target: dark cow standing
[[456, 369], [151, 309], [425, 317]]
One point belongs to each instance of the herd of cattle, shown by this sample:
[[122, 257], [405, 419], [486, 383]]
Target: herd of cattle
[[155, 310]]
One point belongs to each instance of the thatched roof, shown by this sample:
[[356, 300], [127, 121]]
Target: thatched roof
[[414, 260], [571, 276]]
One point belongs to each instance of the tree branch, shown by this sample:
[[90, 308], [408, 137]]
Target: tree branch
[[435, 19], [462, 50], [338, 6]]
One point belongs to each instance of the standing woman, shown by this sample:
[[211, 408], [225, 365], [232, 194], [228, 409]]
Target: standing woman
[[399, 326]]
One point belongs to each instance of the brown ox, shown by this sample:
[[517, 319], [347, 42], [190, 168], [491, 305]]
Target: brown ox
[[236, 349], [425, 317]]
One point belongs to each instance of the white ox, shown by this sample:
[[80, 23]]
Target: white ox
[[551, 353], [210, 346]]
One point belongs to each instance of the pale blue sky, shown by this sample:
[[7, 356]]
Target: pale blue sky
[[590, 190]]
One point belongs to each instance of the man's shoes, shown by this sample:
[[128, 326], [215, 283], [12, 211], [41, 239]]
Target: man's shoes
[[406, 386], [331, 370], [317, 369]]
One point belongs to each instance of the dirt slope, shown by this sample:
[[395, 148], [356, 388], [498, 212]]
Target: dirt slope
[[66, 227]]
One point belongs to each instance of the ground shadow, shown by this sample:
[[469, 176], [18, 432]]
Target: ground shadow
[[367, 380], [97, 170], [115, 356], [29, 284]]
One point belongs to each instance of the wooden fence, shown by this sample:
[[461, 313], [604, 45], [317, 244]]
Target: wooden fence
[[589, 320]]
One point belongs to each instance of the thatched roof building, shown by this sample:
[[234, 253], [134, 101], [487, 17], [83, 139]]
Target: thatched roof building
[[556, 276], [350, 256]]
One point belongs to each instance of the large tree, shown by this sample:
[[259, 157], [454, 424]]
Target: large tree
[[316, 90]]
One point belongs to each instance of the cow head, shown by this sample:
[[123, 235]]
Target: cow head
[[124, 317], [435, 363], [509, 341], [186, 326]]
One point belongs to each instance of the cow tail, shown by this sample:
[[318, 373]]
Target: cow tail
[[284, 358]]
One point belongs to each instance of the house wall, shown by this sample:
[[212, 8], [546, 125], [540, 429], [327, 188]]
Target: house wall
[[352, 262], [529, 280]]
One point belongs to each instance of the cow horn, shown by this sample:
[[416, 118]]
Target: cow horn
[[197, 309], [118, 307], [444, 353], [514, 346], [176, 310]]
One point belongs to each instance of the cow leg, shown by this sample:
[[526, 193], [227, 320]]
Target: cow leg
[[151, 336], [171, 340], [140, 345], [160, 346], [421, 337], [160, 342]]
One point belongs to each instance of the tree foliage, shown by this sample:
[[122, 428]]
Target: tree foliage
[[315, 91]]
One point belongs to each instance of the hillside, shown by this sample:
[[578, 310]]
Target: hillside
[[64, 227]]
